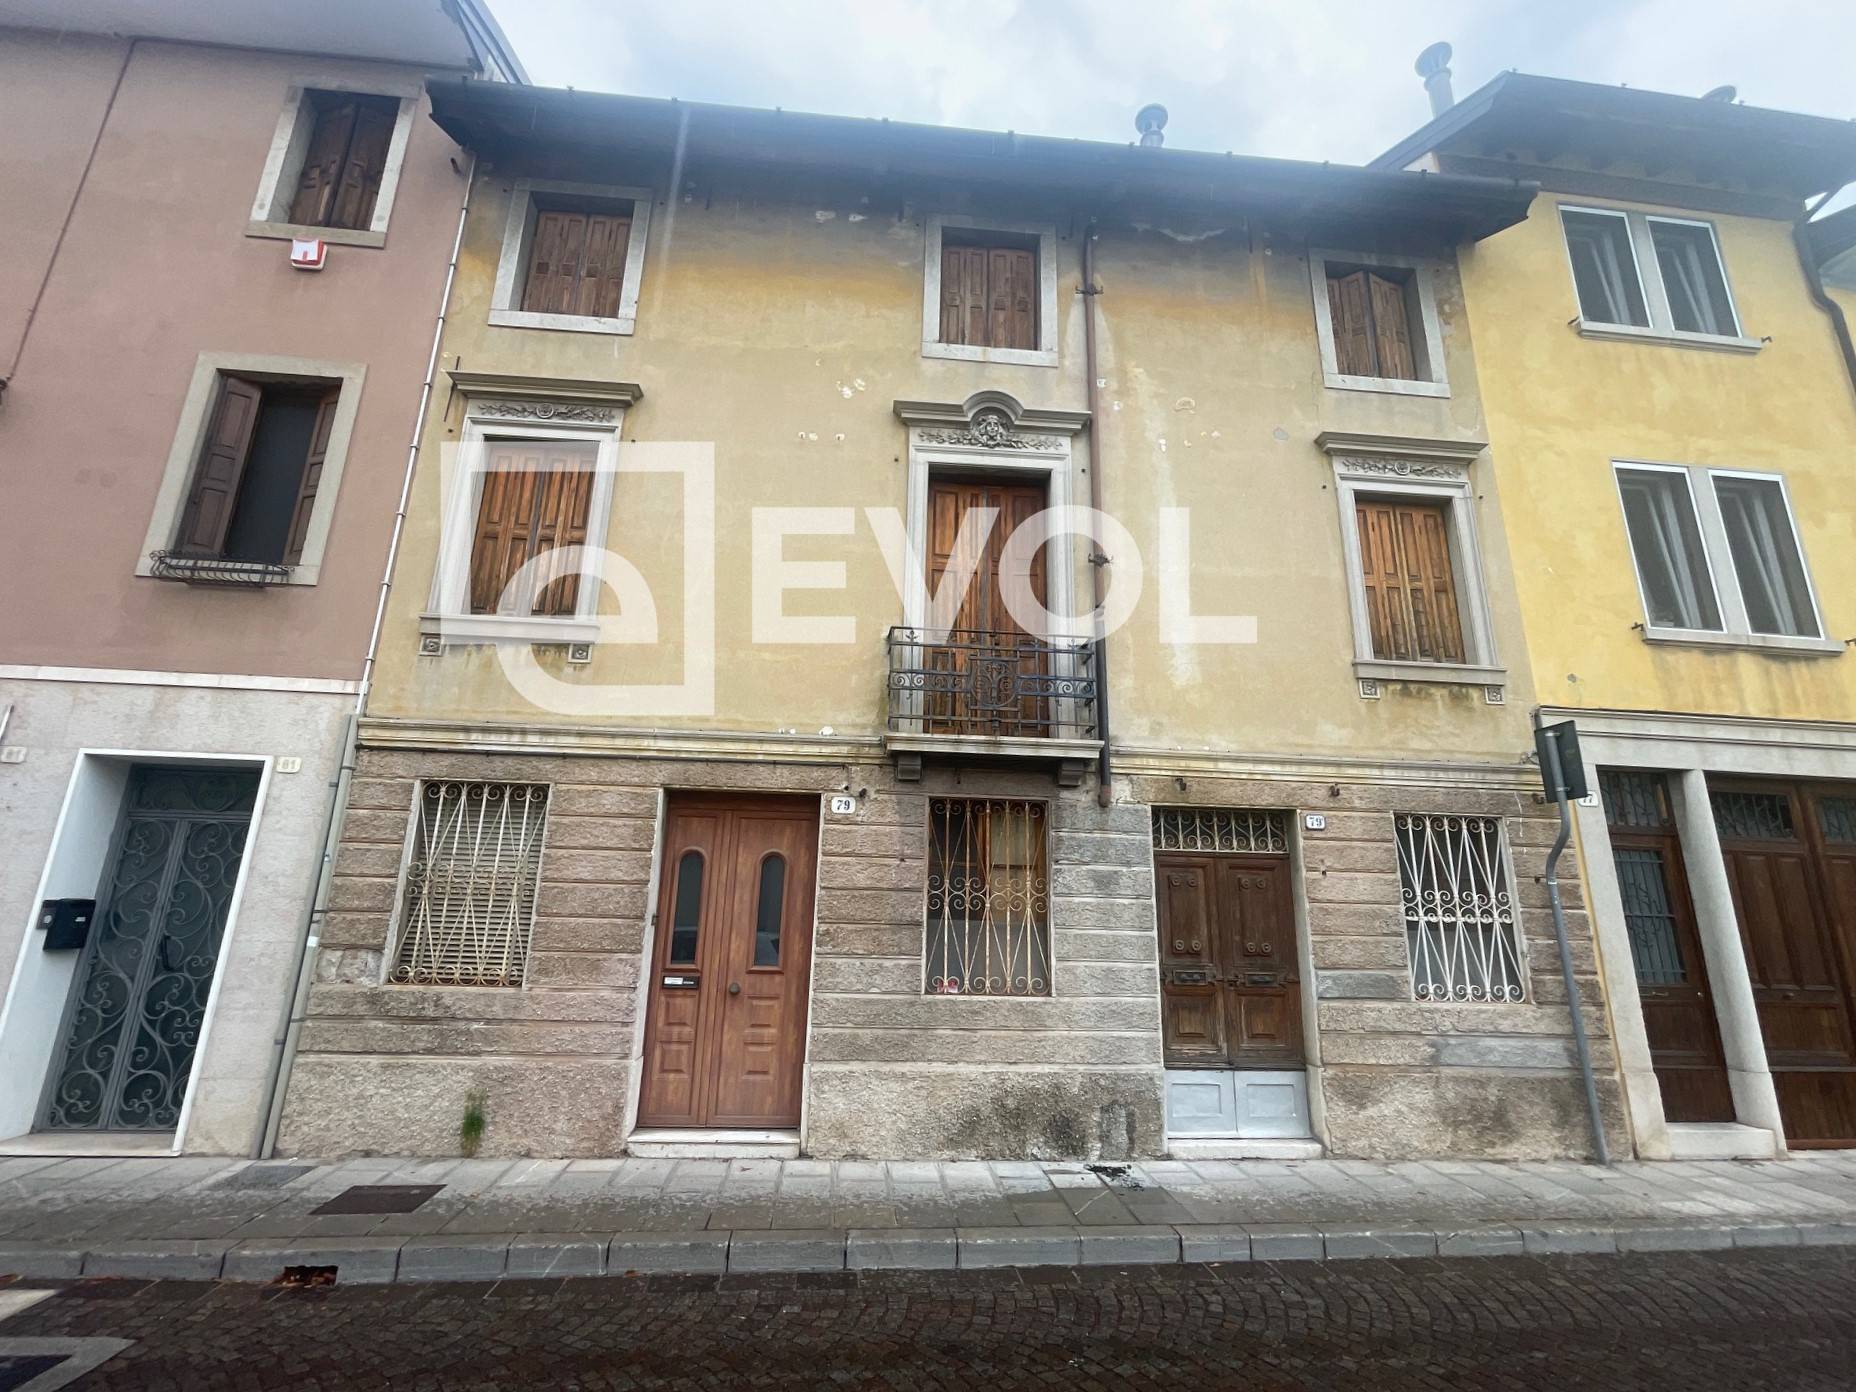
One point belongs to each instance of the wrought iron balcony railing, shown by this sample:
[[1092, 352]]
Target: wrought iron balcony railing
[[216, 570], [991, 683]]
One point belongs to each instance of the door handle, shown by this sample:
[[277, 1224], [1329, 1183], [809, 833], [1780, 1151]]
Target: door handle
[[734, 988]]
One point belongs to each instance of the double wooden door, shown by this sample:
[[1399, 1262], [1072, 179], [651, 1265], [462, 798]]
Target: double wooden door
[[1230, 982], [986, 672], [730, 970], [1790, 850]]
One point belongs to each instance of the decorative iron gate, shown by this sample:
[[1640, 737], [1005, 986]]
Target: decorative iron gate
[[139, 997]]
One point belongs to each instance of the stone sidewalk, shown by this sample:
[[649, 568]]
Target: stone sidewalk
[[206, 1218]]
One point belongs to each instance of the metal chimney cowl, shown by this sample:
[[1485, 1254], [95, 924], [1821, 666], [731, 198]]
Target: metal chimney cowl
[[1150, 121], [1433, 66]]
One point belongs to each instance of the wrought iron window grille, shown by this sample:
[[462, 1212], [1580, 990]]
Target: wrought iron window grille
[[469, 904], [968, 681], [1231, 829], [1459, 911], [223, 571], [988, 919]]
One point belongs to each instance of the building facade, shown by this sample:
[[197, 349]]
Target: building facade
[[805, 814], [202, 445], [1686, 573]]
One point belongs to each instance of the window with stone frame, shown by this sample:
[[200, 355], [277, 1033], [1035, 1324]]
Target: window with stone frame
[[988, 898]]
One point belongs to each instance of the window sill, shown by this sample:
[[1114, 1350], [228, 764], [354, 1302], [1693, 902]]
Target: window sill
[[334, 236], [562, 323], [1397, 386], [507, 628], [1675, 338], [1021, 357], [1745, 642], [1441, 673]]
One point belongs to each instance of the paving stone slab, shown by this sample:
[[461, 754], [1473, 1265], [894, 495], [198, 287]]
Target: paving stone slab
[[41, 1261], [1346, 1243], [1766, 1235], [357, 1260], [1044, 1245], [1567, 1239], [1214, 1242], [1130, 1244], [1481, 1242], [535, 1255], [911, 1249], [1672, 1238], [1284, 1242], [787, 1249], [698, 1250], [158, 1261], [453, 1257]]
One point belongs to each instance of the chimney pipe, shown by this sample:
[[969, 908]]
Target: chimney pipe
[[1433, 66], [1150, 121]]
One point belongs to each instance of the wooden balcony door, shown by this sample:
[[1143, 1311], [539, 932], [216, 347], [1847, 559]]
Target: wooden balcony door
[[1230, 987], [725, 1027], [1791, 863], [979, 677]]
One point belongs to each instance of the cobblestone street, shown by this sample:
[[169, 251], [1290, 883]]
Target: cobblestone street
[[1744, 1319]]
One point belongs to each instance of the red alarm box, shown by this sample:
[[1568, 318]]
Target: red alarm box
[[308, 253]]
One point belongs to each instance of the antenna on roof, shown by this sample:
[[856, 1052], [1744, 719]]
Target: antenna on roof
[[1433, 66]]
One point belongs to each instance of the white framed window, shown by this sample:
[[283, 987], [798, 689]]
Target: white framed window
[[473, 866], [1376, 321], [248, 492], [528, 501], [989, 291], [1460, 929], [572, 257], [1718, 558], [1415, 586], [987, 898], [335, 161], [1650, 276]]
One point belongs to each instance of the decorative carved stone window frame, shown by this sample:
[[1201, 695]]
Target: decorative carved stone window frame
[[521, 408], [1433, 471], [1045, 354]]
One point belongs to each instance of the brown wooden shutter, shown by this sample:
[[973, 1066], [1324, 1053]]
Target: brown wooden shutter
[[365, 166], [602, 277], [1011, 284], [536, 496], [1353, 338], [555, 253], [323, 164], [1409, 582], [965, 308], [1391, 329], [312, 477], [221, 468]]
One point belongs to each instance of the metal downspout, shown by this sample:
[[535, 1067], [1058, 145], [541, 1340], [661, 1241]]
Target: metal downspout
[[283, 1047], [1098, 559], [1814, 281]]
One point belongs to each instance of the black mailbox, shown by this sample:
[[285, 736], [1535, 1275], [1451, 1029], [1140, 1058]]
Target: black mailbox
[[66, 923]]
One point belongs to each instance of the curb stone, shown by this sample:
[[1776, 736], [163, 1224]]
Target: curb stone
[[494, 1257]]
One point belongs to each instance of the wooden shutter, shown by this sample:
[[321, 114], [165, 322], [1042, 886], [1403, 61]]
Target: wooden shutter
[[312, 477], [1391, 328], [536, 496], [558, 243], [221, 467], [323, 163], [989, 295], [364, 166], [963, 295], [1349, 306], [1410, 586], [1010, 276], [602, 271]]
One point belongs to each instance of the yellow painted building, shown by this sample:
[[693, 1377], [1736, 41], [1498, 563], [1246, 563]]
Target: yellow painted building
[[1672, 422]]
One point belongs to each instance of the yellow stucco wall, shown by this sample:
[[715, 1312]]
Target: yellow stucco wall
[[783, 326], [1562, 407]]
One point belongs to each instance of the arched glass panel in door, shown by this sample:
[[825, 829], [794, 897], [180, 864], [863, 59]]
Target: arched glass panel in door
[[768, 913], [686, 912]]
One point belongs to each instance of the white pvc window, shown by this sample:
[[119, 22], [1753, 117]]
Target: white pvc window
[[1459, 910], [1717, 555], [470, 883], [1694, 281], [1644, 276], [1604, 267]]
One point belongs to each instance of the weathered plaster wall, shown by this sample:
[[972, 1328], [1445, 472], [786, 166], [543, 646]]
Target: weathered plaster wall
[[893, 1072], [1562, 408], [156, 268], [783, 322]]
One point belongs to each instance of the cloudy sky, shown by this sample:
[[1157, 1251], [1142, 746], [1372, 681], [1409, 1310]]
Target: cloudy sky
[[1309, 79]]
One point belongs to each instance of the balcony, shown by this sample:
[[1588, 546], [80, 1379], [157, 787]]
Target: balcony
[[985, 694]]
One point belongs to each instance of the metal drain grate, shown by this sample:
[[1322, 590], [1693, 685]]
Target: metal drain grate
[[378, 1198], [264, 1176]]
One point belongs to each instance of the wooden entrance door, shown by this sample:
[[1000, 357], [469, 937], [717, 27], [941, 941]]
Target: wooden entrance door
[[1672, 976], [991, 664], [1792, 891], [725, 1031], [1230, 981]]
